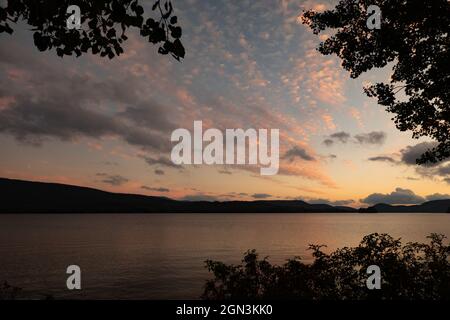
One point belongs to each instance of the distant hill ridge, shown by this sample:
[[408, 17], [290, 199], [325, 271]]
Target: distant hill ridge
[[435, 206], [18, 196]]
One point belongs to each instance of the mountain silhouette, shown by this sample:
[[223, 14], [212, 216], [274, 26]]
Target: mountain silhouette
[[20, 196], [435, 206]]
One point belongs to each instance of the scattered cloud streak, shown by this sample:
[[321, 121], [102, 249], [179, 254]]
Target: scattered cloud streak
[[297, 152], [114, 180], [383, 159], [374, 137], [160, 161], [370, 138], [155, 189], [261, 196], [199, 197]]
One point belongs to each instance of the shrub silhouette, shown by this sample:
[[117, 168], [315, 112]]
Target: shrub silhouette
[[415, 271]]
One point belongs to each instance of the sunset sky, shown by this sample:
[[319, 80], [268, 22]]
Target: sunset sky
[[107, 124]]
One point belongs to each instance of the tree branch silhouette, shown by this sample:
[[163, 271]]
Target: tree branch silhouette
[[414, 37], [104, 24]]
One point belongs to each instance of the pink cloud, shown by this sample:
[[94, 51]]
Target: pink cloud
[[328, 119]]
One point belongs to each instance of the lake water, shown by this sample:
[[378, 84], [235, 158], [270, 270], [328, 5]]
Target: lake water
[[150, 256]]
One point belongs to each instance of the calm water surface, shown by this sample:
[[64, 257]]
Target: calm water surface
[[162, 255]]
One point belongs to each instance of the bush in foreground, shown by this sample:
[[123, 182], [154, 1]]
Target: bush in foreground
[[415, 271]]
